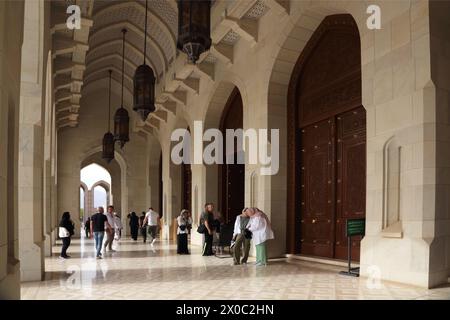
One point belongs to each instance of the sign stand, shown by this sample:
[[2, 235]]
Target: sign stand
[[354, 227]]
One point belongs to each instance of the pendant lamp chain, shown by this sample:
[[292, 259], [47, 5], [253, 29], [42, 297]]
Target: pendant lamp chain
[[145, 32], [109, 101], [123, 63]]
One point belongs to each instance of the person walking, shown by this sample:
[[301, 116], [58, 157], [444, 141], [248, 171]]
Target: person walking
[[143, 227], [217, 225], [240, 241], [98, 222], [118, 226], [153, 221], [207, 218], [259, 226], [111, 231], [134, 226], [87, 227], [183, 221], [66, 231]]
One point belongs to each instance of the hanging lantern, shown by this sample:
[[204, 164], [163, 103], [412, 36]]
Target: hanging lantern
[[121, 118], [194, 27], [144, 84], [108, 147], [108, 138]]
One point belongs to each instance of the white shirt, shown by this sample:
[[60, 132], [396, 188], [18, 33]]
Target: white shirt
[[237, 225], [182, 222], [152, 218], [260, 229], [110, 217]]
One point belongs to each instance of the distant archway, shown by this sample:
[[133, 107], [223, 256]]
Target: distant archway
[[118, 171], [94, 176]]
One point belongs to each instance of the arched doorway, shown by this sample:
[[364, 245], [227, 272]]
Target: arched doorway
[[97, 181], [232, 176], [327, 140]]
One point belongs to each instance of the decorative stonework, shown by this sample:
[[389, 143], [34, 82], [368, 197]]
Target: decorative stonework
[[69, 52], [231, 38], [210, 58], [257, 11], [137, 17]]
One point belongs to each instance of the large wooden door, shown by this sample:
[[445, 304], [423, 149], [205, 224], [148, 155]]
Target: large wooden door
[[333, 183], [232, 182], [328, 143]]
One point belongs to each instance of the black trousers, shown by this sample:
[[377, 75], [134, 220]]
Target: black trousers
[[144, 233], [88, 231], [65, 246], [134, 232], [207, 247], [182, 243]]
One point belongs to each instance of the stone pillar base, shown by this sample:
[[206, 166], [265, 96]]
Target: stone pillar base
[[405, 260], [165, 232], [48, 245], [10, 285], [32, 264]]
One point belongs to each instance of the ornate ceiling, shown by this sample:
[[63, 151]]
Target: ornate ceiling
[[82, 57]]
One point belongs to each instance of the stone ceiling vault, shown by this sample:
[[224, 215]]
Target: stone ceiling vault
[[83, 57]]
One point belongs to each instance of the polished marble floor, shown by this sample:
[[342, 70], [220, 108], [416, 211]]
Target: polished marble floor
[[140, 271]]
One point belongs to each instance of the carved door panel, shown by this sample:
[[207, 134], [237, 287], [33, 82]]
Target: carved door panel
[[317, 190], [351, 177], [187, 186]]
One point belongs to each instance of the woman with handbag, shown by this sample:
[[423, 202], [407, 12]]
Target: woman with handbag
[[207, 229], [66, 231], [183, 221]]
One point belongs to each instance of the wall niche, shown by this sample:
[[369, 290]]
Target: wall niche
[[392, 174]]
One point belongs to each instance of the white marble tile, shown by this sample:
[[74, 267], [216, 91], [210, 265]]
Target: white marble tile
[[136, 271]]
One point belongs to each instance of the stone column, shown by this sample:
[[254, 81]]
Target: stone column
[[47, 209], [89, 204], [439, 223], [11, 28], [31, 220], [400, 97]]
